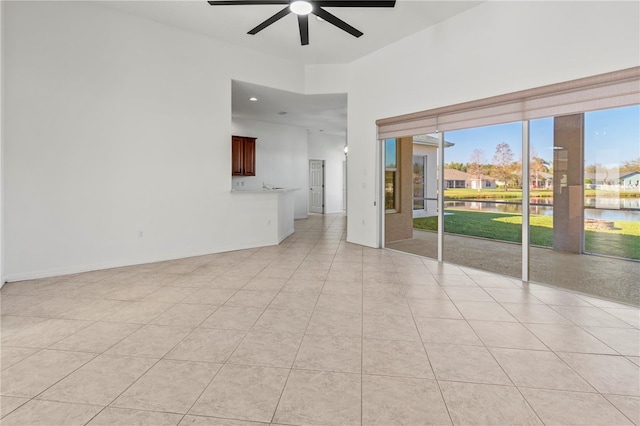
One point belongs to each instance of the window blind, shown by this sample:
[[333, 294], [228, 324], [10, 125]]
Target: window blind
[[603, 91]]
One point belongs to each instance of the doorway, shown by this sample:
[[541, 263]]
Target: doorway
[[316, 186], [419, 182]]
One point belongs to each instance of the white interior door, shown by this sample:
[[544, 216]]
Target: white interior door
[[316, 186], [344, 185]]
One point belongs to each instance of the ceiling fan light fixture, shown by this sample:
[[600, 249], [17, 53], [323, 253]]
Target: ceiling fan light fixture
[[301, 7]]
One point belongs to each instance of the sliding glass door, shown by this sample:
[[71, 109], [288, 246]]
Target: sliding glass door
[[552, 199], [483, 198], [612, 182]]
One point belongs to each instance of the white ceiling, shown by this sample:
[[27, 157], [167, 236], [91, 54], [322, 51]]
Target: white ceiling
[[327, 43], [316, 113]]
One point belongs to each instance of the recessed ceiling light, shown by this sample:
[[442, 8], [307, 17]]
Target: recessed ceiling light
[[253, 99], [301, 7]]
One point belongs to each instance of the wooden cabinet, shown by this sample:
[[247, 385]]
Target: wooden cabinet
[[243, 156], [237, 156], [249, 156]]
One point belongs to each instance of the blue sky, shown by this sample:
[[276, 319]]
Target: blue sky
[[611, 137], [390, 152]]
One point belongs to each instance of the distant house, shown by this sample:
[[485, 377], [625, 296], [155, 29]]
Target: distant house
[[630, 180], [612, 179], [425, 175], [606, 178], [457, 179], [542, 180], [539, 180]]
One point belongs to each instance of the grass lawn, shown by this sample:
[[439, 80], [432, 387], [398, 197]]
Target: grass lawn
[[492, 194], [500, 194], [624, 241]]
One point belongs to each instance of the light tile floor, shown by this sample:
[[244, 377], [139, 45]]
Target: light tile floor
[[608, 277], [313, 331]]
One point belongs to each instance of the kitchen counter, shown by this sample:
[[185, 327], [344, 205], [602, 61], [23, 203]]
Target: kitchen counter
[[278, 205], [262, 190]]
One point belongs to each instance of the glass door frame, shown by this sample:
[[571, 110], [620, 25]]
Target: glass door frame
[[424, 182], [440, 184]]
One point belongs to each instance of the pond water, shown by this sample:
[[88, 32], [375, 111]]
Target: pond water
[[600, 209]]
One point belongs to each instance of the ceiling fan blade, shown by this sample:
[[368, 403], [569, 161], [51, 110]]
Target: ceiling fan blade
[[337, 22], [284, 12], [246, 2], [303, 23], [356, 3]]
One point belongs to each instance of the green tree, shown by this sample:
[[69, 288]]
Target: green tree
[[537, 166], [474, 166], [630, 166], [456, 166], [593, 168], [503, 164]]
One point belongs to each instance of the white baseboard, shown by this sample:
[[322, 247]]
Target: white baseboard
[[76, 269], [285, 235]]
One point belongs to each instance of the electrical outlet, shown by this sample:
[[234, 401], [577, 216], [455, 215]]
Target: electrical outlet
[[140, 234]]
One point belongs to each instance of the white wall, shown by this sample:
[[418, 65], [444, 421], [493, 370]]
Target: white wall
[[2, 38], [329, 78], [116, 125], [491, 49], [281, 159], [330, 148]]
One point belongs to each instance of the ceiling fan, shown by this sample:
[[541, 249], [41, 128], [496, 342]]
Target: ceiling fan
[[303, 8]]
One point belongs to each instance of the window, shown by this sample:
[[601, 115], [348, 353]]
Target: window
[[390, 176], [419, 182], [611, 195], [580, 174]]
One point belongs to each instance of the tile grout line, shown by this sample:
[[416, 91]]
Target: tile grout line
[[362, 347], [424, 348], [318, 240], [156, 363], [246, 334], [275, 410], [152, 366]]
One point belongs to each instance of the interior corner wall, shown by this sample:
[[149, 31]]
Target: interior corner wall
[[281, 159], [330, 148], [115, 126], [493, 48], [326, 78], [399, 225], [2, 279]]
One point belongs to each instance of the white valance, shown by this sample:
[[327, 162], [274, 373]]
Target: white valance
[[604, 91]]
